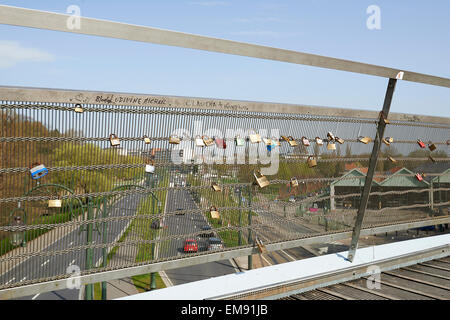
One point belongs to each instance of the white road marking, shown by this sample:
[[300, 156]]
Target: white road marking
[[35, 296], [45, 263]]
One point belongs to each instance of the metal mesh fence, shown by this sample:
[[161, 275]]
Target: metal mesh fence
[[108, 188]]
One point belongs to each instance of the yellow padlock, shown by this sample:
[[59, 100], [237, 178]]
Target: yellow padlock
[[331, 145], [387, 141], [216, 187], [55, 203], [341, 141], [364, 140], [294, 182], [174, 139], [292, 141], [254, 137], [114, 140], [312, 162], [78, 108], [214, 212], [262, 181], [146, 140], [391, 159], [208, 141]]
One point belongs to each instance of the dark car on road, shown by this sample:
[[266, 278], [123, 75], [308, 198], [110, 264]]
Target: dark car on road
[[206, 232], [214, 244]]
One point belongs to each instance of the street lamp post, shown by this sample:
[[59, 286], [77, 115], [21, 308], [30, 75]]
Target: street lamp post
[[18, 237]]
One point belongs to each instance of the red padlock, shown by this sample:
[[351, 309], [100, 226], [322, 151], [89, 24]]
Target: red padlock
[[419, 177], [420, 143], [221, 143]]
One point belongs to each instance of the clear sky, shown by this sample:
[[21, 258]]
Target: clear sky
[[414, 36]]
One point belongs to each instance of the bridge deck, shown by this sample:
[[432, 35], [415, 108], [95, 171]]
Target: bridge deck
[[283, 280]]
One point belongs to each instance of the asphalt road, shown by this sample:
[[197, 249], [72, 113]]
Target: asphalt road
[[48, 266], [183, 224]]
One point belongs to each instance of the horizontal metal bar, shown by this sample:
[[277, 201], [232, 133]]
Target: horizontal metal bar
[[96, 27], [46, 95], [211, 257]]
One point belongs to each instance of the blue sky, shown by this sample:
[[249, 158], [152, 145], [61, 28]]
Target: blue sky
[[414, 36]]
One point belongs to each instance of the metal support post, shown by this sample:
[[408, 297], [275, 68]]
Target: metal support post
[[153, 274], [105, 251], [371, 170], [89, 293], [250, 257], [240, 217]]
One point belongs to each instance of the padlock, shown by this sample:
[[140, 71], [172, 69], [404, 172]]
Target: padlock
[[199, 141], [254, 137], [341, 141], [54, 203], [432, 146], [267, 141], [305, 142], [330, 136], [221, 143], [150, 167], [38, 171], [292, 141], [208, 141], [419, 177], [312, 162], [383, 118], [146, 140], [114, 140], [364, 140], [78, 108], [239, 141], [214, 212], [262, 248], [448, 142], [262, 181], [420, 143], [174, 139], [216, 187], [391, 159], [294, 182], [319, 141], [387, 141], [331, 145]]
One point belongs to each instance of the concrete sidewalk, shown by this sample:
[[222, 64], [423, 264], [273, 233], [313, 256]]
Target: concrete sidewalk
[[121, 287]]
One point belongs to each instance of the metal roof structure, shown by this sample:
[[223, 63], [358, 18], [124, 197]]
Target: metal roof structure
[[295, 277]]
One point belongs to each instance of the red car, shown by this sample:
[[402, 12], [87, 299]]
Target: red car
[[190, 245]]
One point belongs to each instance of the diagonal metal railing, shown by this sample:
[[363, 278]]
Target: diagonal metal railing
[[135, 189]]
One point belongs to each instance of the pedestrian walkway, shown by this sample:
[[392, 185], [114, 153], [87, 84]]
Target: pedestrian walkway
[[121, 287]]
